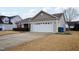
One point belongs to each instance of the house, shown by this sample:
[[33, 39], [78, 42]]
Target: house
[[74, 24], [15, 19], [44, 22], [23, 23], [6, 23]]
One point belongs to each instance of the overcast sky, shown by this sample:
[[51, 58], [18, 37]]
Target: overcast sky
[[26, 12]]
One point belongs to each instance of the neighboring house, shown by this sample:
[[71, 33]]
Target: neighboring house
[[74, 25], [44, 22], [23, 23], [15, 19], [6, 23]]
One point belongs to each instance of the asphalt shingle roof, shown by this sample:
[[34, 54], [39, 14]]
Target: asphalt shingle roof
[[43, 18]]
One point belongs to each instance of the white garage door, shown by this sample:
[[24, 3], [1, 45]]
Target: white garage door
[[48, 27]]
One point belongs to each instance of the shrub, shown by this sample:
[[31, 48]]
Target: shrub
[[0, 29], [21, 29]]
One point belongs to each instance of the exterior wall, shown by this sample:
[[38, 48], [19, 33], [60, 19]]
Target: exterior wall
[[7, 27], [0, 26], [22, 26], [61, 23], [14, 25]]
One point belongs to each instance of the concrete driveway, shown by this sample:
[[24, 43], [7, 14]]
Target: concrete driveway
[[16, 39]]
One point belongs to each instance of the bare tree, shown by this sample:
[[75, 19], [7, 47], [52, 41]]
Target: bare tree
[[69, 14]]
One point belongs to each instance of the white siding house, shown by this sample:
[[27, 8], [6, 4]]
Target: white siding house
[[44, 22], [6, 26], [6, 23]]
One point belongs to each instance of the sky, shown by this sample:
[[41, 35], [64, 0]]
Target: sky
[[25, 12]]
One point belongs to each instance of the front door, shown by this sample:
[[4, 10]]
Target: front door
[[25, 25]]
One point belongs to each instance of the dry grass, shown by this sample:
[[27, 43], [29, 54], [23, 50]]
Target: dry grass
[[7, 32], [53, 42]]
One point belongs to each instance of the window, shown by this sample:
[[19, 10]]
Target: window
[[43, 23], [48, 23]]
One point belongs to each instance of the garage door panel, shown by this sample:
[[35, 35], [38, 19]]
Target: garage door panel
[[45, 28], [42, 28]]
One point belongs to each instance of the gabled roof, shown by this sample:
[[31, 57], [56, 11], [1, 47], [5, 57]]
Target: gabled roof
[[44, 13], [51, 17], [24, 20], [58, 14], [73, 23], [2, 17], [27, 19], [14, 16], [44, 17]]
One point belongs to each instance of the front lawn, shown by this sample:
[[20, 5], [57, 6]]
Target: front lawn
[[53, 42], [7, 32]]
